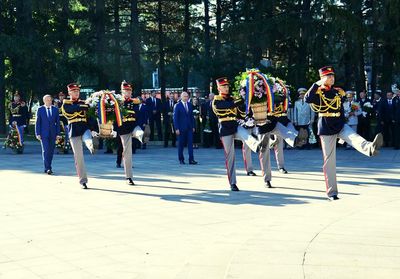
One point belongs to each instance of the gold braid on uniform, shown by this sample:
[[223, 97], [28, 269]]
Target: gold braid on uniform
[[73, 115], [222, 112], [325, 103]]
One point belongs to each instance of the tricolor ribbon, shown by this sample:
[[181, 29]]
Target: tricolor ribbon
[[285, 96], [19, 134], [103, 110], [250, 89]]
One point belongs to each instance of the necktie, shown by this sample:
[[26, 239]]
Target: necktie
[[171, 104], [390, 102], [186, 108], [48, 113]]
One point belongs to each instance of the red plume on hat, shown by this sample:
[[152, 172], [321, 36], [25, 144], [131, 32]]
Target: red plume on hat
[[73, 87], [222, 81], [126, 86], [327, 70]]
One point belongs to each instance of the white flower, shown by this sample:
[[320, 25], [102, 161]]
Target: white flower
[[368, 105], [243, 83]]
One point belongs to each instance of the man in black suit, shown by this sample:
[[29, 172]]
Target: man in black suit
[[396, 119], [154, 106], [364, 119], [386, 113], [168, 110]]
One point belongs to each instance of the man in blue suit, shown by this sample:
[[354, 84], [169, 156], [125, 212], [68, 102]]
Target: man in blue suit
[[47, 129], [184, 127]]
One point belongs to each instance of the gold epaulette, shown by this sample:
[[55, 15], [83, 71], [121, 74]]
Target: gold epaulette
[[136, 101], [66, 101], [341, 91], [218, 98]]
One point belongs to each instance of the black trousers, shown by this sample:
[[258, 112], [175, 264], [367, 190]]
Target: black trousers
[[396, 135], [169, 131], [388, 132], [363, 127], [156, 119]]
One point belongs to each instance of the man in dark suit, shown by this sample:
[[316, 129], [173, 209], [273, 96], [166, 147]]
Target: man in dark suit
[[143, 120], [184, 127], [168, 110], [396, 119], [386, 112], [155, 108], [47, 129], [364, 120]]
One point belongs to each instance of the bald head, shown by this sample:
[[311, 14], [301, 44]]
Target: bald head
[[184, 96], [47, 100]]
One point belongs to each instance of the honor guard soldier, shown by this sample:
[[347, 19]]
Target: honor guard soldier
[[249, 125], [75, 111], [225, 108], [126, 129], [327, 101], [18, 115], [273, 127]]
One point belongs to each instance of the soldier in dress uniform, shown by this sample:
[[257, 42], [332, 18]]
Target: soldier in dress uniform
[[249, 125], [18, 115], [126, 129], [327, 101], [225, 108], [273, 127], [75, 110]]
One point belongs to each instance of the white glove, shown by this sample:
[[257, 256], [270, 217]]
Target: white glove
[[364, 113], [95, 134], [114, 134], [249, 122]]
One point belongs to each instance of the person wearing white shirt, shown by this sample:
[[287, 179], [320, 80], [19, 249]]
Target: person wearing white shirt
[[352, 110], [303, 115]]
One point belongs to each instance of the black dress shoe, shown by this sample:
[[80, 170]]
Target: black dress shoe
[[333, 198], [84, 186], [268, 184], [282, 170], [234, 188], [251, 173], [181, 162], [192, 162], [129, 181], [49, 172], [118, 166]]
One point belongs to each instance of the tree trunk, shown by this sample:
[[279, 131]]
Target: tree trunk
[[207, 48], [217, 58], [161, 51], [100, 45], [135, 48], [117, 42], [186, 46], [2, 78], [65, 41]]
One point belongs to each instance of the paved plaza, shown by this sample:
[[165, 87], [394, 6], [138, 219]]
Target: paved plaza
[[181, 221]]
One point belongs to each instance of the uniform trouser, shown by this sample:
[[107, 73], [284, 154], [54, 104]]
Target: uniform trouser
[[288, 134], [246, 151], [228, 143], [48, 145], [278, 148], [126, 141], [328, 144], [77, 147]]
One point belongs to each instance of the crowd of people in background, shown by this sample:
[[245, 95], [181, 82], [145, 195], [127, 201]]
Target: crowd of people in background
[[366, 115]]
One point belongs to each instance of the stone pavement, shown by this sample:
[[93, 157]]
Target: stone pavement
[[182, 222]]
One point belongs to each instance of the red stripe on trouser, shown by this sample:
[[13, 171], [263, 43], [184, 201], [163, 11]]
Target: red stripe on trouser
[[244, 157], [226, 162], [324, 166], [76, 161]]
